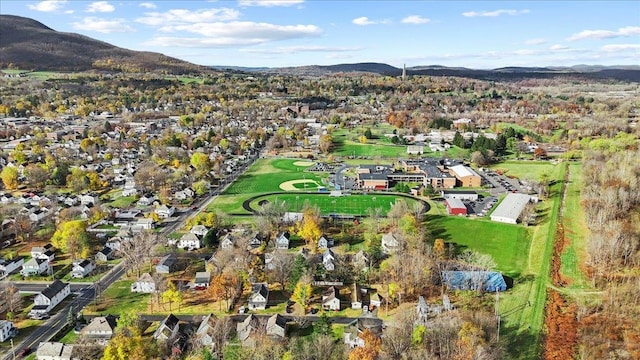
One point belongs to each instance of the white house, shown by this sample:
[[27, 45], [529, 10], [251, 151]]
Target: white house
[[330, 300], [189, 241], [144, 284], [54, 351], [82, 268], [105, 254], [143, 224], [168, 329], [167, 264], [7, 330], [165, 211], [277, 326], [50, 297], [36, 267], [227, 242], [38, 215], [88, 200], [389, 243], [199, 230], [37, 252], [184, 194], [101, 329], [259, 296], [282, 241], [328, 260], [206, 331], [324, 242], [9, 266]]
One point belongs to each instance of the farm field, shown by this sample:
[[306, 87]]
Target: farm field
[[344, 205]]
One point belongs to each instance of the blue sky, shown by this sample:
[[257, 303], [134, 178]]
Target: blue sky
[[477, 34]]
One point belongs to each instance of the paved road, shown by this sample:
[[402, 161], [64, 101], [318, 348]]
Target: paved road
[[86, 292]]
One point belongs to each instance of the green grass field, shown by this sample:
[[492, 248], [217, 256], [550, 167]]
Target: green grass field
[[346, 205], [531, 170], [346, 144], [507, 244], [118, 299], [264, 176]]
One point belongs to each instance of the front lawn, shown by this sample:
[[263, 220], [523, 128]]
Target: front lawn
[[118, 299]]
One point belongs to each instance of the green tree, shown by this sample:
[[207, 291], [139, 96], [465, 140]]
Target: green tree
[[9, 177], [200, 161], [60, 173], [299, 269], [458, 140]]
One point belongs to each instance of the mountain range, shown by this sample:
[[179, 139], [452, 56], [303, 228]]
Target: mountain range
[[30, 45]]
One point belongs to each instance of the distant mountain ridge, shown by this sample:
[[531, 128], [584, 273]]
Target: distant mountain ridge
[[30, 45], [619, 72]]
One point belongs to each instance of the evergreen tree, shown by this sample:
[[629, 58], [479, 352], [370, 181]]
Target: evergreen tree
[[458, 140]]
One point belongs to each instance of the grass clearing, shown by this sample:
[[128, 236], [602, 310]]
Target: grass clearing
[[123, 202], [118, 299], [575, 231], [532, 170], [507, 244]]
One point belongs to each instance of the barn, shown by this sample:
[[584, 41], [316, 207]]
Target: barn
[[474, 280], [455, 207]]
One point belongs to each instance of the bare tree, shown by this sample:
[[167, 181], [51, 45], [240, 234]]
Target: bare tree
[[280, 267], [138, 251], [10, 296], [397, 337]]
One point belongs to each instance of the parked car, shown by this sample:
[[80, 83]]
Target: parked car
[[25, 352]]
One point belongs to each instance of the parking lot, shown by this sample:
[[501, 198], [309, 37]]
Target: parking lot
[[481, 207]]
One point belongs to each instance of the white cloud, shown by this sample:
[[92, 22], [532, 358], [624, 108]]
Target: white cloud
[[605, 34], [415, 19], [181, 16], [301, 48], [48, 5], [269, 3], [363, 21], [537, 41], [495, 13], [100, 6], [558, 47], [220, 34], [620, 47], [102, 25], [148, 5]]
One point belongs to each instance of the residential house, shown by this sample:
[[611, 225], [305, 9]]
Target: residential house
[[324, 242], [146, 200], [422, 309], [50, 297], [199, 230], [167, 264], [228, 242], [202, 280], [104, 255], [256, 241], [37, 252], [82, 268], [389, 243], [143, 224], [328, 260], [184, 194], [88, 200], [282, 240], [189, 241], [353, 332], [206, 331], [247, 327], [38, 215], [36, 267], [360, 261], [7, 330], [100, 329], [259, 296], [168, 329], [165, 212], [54, 351], [144, 284], [366, 299], [330, 299], [277, 326], [9, 266]]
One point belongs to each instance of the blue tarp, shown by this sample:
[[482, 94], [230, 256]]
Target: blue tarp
[[474, 280]]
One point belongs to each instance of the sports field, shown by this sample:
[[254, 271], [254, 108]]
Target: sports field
[[357, 205]]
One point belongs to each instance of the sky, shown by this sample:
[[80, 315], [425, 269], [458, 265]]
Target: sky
[[278, 33]]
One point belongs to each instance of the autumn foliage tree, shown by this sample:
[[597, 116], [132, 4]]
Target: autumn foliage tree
[[71, 237], [309, 228], [370, 350], [9, 177]]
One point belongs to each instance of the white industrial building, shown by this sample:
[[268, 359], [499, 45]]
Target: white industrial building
[[510, 208]]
